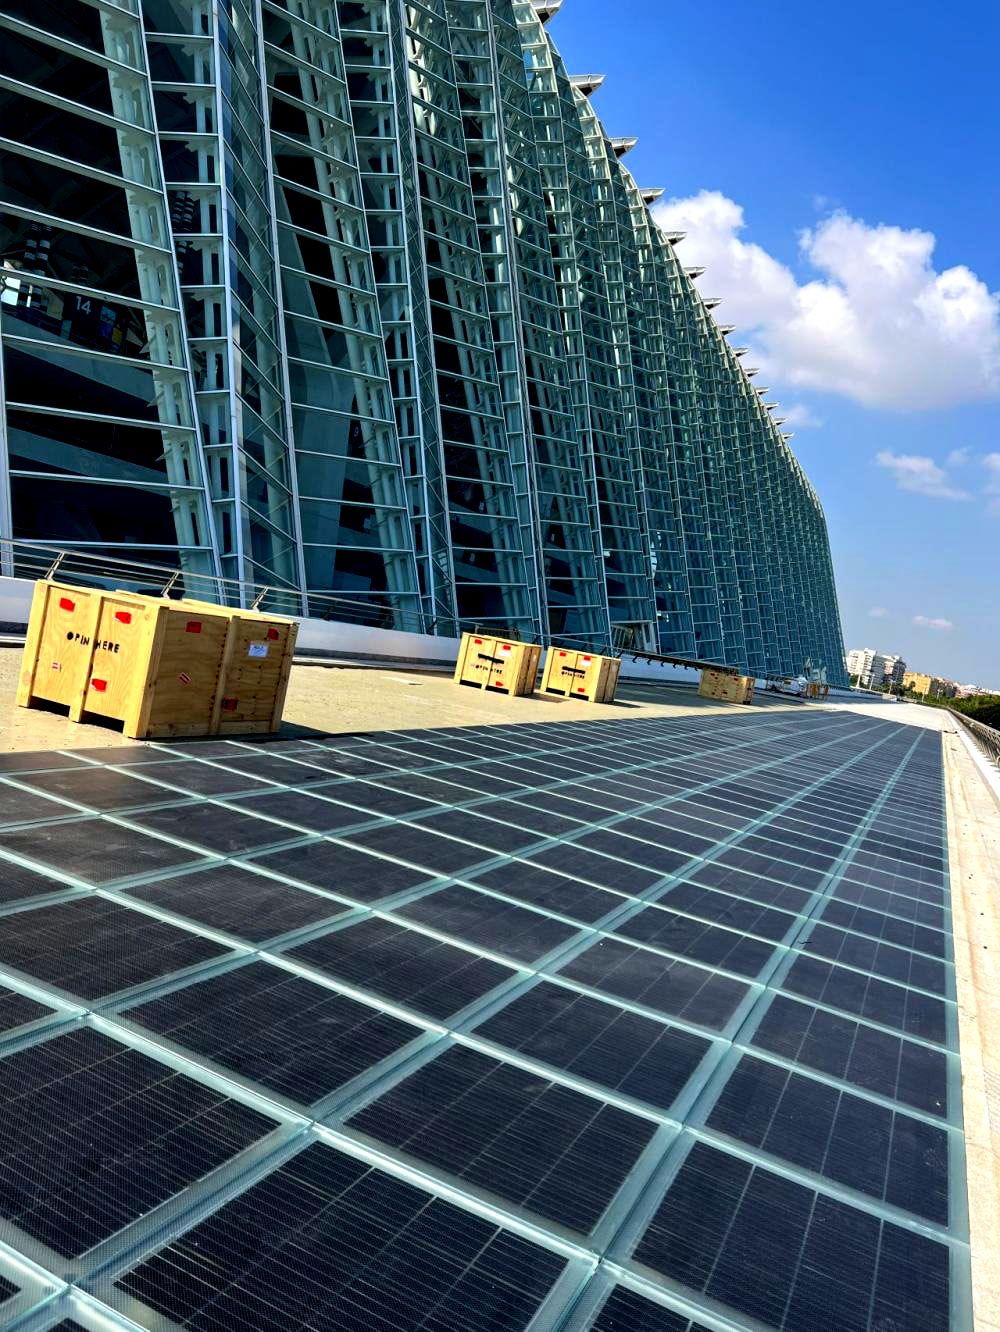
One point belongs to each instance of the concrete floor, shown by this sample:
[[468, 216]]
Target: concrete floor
[[339, 699]]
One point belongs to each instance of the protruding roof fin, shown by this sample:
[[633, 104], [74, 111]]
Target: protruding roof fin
[[586, 83], [623, 144], [712, 301], [546, 8], [651, 195], [727, 328], [694, 272], [674, 236]]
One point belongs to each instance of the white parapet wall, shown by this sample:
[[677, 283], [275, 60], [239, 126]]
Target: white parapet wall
[[332, 639]]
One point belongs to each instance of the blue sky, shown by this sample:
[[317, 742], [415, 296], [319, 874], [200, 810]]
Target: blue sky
[[836, 169]]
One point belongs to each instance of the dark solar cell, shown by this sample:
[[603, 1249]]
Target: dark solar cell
[[552, 1150], [570, 859], [867, 996], [893, 904], [7, 1290], [649, 978], [342, 763], [17, 882], [217, 828], [309, 811], [868, 1147], [622, 1051], [876, 1061], [896, 964], [37, 760], [725, 1222], [95, 850], [404, 965], [277, 1029], [201, 779], [752, 887], [16, 1009], [890, 928], [652, 828], [96, 1134], [342, 869], [229, 897], [408, 841], [275, 767], [552, 891], [539, 821], [489, 922], [771, 867], [663, 859], [17, 806], [98, 788], [721, 908], [377, 799], [694, 938], [328, 1242], [487, 781], [483, 832], [624, 1311], [91, 947]]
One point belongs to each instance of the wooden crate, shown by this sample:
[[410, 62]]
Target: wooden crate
[[255, 669], [500, 665], [580, 675], [726, 687], [162, 668]]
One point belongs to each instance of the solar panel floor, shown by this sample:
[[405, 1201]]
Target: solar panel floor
[[632, 1025]]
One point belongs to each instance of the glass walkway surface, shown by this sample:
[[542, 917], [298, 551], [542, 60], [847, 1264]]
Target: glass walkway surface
[[632, 1025]]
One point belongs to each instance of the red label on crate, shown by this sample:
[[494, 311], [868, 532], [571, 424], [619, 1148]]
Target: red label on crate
[[562, 654], [580, 689], [193, 627], [66, 604], [586, 659], [229, 704], [124, 616], [478, 642], [184, 677], [99, 685], [505, 647], [272, 633]]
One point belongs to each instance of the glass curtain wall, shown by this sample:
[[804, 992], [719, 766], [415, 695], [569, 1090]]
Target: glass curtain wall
[[98, 436]]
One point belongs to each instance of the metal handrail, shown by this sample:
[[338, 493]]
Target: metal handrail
[[986, 737], [36, 559]]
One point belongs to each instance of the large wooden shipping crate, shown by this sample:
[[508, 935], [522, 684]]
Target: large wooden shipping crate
[[162, 668], [580, 675], [726, 687], [500, 665]]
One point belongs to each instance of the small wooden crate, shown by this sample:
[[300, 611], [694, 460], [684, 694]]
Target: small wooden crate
[[500, 665], [162, 668], [580, 675], [255, 669], [726, 687]]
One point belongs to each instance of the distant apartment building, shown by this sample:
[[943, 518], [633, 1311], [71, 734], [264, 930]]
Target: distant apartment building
[[868, 665], [893, 670], [930, 686]]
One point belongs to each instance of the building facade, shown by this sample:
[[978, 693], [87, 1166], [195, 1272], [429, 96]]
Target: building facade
[[868, 665], [930, 686], [360, 299]]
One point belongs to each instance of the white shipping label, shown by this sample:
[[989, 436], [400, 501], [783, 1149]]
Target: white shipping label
[[257, 650]]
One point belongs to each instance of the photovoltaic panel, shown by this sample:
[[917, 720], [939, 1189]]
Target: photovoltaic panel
[[724, 1222], [625, 1052], [90, 946], [276, 1029], [403, 965], [96, 1134], [234, 899], [874, 1060], [827, 1130], [489, 922], [327, 1241], [625, 1311], [544, 1146], [655, 981], [811, 1091]]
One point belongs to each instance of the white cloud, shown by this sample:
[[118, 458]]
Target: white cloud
[[879, 323], [799, 417], [915, 472], [992, 464], [958, 457], [878, 612], [925, 622]]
